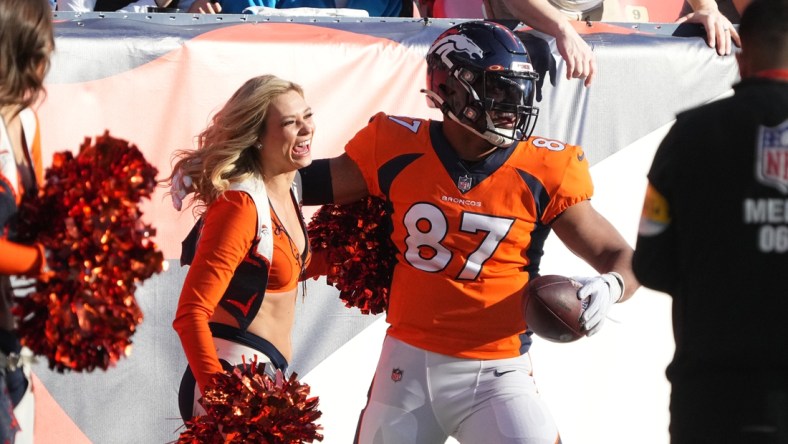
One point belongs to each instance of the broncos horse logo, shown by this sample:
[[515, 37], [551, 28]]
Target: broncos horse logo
[[455, 43]]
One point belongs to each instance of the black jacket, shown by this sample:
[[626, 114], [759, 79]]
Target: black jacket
[[724, 254]]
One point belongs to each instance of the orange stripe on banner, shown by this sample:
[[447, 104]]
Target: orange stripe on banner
[[52, 424], [288, 33]]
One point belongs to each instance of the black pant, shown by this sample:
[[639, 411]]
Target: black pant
[[737, 408], [15, 381]]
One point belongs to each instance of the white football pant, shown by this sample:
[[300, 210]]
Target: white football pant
[[419, 397]]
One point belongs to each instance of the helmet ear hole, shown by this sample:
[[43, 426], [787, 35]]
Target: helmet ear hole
[[466, 75]]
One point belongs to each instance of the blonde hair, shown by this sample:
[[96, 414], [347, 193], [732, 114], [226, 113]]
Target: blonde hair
[[227, 150]]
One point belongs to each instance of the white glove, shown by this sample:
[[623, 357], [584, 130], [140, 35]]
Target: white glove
[[181, 187], [602, 292]]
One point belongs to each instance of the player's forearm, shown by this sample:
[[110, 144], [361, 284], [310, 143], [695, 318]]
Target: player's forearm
[[623, 267], [347, 180], [540, 15], [337, 180], [617, 258]]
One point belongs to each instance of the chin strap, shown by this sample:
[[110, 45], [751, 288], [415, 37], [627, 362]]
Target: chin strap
[[493, 138]]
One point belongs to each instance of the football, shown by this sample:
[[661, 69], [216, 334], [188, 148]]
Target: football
[[552, 309]]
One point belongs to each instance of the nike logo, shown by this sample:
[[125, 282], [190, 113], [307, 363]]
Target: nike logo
[[498, 374], [581, 157]]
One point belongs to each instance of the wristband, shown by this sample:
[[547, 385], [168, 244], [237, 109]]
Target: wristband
[[316, 183], [620, 280]]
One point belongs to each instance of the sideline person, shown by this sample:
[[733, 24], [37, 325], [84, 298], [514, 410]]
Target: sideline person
[[714, 236], [249, 248], [26, 45], [717, 19]]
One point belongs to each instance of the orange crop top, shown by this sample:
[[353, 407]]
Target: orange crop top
[[286, 263]]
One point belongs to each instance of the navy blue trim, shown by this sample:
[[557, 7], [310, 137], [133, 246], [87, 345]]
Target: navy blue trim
[[246, 288], [541, 230], [454, 165], [526, 341], [389, 170], [536, 249], [249, 281], [230, 333], [186, 394], [8, 210], [302, 221], [189, 244], [541, 198]]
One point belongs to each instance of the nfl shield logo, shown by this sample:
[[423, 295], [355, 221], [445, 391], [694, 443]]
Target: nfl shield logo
[[464, 183], [396, 375], [771, 167]]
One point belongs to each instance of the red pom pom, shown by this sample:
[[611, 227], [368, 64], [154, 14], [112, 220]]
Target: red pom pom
[[247, 405], [82, 312], [361, 255]]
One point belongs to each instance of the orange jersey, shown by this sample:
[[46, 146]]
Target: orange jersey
[[468, 236]]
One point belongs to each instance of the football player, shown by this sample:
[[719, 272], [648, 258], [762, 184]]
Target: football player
[[472, 198]]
